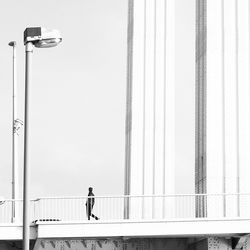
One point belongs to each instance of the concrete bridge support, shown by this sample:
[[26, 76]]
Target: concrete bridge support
[[211, 243], [112, 244], [221, 243], [206, 243]]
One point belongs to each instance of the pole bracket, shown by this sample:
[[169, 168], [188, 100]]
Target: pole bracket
[[17, 125]]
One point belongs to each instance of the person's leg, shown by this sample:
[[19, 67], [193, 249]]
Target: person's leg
[[92, 215], [88, 212], [95, 217]]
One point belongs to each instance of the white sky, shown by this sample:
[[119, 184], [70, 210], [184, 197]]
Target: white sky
[[78, 96]]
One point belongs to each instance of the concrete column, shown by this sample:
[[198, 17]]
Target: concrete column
[[152, 117], [227, 93]]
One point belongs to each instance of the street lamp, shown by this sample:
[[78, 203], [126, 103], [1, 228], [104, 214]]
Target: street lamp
[[16, 124], [40, 38], [14, 134]]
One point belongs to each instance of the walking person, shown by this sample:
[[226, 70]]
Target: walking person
[[90, 204]]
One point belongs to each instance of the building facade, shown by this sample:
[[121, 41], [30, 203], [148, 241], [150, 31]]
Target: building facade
[[150, 148], [222, 105]]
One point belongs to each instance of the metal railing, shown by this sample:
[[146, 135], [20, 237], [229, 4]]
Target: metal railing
[[133, 207]]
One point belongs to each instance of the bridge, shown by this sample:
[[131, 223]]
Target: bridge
[[63, 219]]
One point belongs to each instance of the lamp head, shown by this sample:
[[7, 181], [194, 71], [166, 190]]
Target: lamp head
[[41, 37], [12, 43]]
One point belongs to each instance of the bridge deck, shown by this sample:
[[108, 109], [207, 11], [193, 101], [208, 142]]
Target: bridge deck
[[150, 228], [129, 228], [15, 232]]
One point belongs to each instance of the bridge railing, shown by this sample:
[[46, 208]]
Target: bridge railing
[[133, 207]]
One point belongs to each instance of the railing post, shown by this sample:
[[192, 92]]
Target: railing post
[[238, 205], [224, 205], [126, 207]]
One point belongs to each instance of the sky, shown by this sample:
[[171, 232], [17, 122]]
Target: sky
[[78, 92]]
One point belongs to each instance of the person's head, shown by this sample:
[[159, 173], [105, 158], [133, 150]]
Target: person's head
[[90, 189]]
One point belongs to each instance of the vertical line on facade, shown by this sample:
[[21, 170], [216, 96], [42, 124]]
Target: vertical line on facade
[[202, 96], [164, 106], [197, 100], [130, 29], [200, 45], [154, 106], [197, 108], [200, 141], [237, 103], [204, 104], [223, 105], [144, 109], [249, 55], [198, 97]]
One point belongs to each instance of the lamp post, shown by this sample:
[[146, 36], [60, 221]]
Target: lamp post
[[40, 38], [14, 134], [16, 124]]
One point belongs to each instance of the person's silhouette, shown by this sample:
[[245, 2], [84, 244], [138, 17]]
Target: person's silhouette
[[90, 204]]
